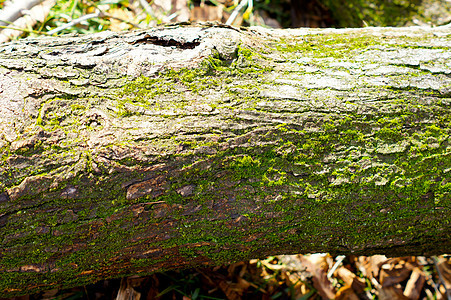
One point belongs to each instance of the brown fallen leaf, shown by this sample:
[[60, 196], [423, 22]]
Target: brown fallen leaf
[[208, 13], [415, 284], [126, 291], [369, 266], [37, 13], [350, 279], [346, 293], [444, 266], [295, 280], [396, 270], [316, 267], [181, 8], [118, 15], [391, 293], [229, 290]]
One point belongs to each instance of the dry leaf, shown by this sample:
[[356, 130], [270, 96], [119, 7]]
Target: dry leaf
[[350, 279], [394, 271], [415, 284], [120, 14], [180, 7], [389, 277], [126, 291], [444, 266], [369, 266], [346, 293], [315, 266], [391, 293], [229, 291], [296, 281], [231, 269], [36, 13], [208, 13], [242, 284]]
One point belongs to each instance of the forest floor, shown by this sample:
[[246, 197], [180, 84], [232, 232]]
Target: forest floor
[[294, 277]]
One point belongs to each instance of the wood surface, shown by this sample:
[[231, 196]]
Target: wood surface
[[181, 146]]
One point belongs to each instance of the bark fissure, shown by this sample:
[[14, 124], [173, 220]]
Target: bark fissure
[[165, 42]]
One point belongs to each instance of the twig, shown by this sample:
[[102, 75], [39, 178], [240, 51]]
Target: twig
[[15, 10], [250, 4], [6, 22], [75, 22], [440, 276], [24, 30], [107, 15], [98, 14], [339, 258], [147, 7], [236, 11], [168, 19], [27, 21]]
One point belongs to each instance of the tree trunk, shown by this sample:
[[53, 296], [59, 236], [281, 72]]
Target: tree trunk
[[200, 145]]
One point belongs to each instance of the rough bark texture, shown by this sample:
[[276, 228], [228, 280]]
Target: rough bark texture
[[183, 146]]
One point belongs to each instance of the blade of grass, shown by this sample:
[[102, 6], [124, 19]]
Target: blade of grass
[[24, 30], [307, 296], [72, 11], [167, 290], [236, 11], [75, 22]]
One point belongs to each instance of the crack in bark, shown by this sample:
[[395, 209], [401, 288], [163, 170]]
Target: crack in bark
[[155, 40]]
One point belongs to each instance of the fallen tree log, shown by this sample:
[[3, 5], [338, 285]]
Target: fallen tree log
[[200, 145]]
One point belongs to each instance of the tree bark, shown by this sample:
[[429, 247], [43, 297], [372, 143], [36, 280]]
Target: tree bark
[[200, 145]]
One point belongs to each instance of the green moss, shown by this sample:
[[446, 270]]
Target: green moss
[[244, 166], [327, 45]]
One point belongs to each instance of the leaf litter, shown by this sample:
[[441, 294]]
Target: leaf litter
[[297, 277]]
